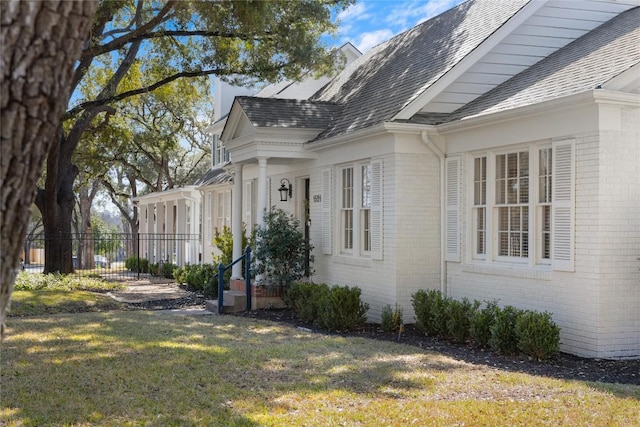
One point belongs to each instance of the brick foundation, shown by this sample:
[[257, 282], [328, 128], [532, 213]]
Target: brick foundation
[[261, 296]]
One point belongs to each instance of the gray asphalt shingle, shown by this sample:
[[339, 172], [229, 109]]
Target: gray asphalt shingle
[[584, 64], [288, 113], [384, 80]]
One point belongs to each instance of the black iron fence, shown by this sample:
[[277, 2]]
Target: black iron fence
[[107, 254]]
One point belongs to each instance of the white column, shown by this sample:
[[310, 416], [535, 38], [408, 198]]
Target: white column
[[194, 241], [262, 190], [160, 230], [170, 243], [236, 220], [142, 229], [151, 228], [181, 225]]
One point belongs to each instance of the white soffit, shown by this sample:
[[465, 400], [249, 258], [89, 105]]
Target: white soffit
[[554, 25]]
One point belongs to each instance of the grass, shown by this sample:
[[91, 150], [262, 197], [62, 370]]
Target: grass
[[134, 368], [39, 294], [53, 301]]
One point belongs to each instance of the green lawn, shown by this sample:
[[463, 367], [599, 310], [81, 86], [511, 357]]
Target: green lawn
[[136, 368]]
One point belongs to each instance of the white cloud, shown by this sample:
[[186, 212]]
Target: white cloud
[[417, 11], [373, 38], [355, 12]]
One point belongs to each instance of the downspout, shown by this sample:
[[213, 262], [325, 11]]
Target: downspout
[[440, 154]]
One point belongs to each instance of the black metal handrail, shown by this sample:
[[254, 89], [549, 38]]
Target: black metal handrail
[[247, 269]]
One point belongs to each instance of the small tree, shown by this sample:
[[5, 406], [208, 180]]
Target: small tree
[[281, 248]]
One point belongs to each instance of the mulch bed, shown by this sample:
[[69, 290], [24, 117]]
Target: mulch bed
[[561, 366]]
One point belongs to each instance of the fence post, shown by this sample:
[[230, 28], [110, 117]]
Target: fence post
[[220, 287], [247, 276]]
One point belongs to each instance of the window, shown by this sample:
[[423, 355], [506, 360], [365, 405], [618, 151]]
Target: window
[[346, 213], [514, 203], [480, 207], [223, 212], [543, 208], [365, 208], [220, 153], [355, 209]]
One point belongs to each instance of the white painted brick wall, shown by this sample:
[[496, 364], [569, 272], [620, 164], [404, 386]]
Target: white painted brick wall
[[411, 238], [619, 238], [598, 305]]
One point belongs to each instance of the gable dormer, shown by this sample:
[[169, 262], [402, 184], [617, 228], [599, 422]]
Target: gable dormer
[[539, 29]]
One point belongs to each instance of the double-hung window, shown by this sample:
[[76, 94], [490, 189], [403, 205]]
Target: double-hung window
[[543, 208], [513, 203], [479, 216], [219, 152], [355, 209]]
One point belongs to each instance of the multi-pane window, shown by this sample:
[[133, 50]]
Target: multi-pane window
[[355, 209], [365, 208], [544, 204], [347, 209], [220, 153], [512, 203], [511, 206], [223, 211], [480, 207]]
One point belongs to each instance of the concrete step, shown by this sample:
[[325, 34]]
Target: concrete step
[[232, 302]]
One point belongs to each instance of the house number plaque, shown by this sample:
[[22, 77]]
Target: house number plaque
[[317, 198]]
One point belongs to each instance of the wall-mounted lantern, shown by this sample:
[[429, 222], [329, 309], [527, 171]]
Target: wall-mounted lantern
[[286, 190]]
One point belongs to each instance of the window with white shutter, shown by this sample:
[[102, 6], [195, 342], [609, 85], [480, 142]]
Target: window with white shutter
[[452, 220], [359, 209], [376, 212], [327, 226], [562, 209], [528, 218]]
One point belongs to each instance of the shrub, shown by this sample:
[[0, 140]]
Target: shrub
[[35, 282], [280, 249], [538, 336], [458, 318], [305, 299], [391, 319], [154, 269], [481, 322], [199, 277], [503, 331], [341, 309], [338, 308], [430, 310], [168, 270], [133, 263]]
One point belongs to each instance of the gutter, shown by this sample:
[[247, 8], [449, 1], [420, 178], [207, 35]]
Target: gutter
[[424, 136]]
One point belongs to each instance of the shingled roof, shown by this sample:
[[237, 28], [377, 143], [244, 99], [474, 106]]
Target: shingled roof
[[215, 176], [288, 113], [380, 83], [584, 64]]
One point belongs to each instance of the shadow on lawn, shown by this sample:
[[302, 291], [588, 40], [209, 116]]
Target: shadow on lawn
[[146, 367]]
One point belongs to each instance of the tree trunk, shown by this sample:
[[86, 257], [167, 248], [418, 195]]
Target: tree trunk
[[86, 197], [56, 203], [41, 42]]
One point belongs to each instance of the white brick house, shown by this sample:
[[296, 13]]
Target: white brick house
[[492, 152]]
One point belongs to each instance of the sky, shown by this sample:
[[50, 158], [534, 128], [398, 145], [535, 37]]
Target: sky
[[368, 23]]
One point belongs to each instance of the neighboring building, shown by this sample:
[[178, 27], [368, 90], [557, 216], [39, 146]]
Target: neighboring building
[[492, 152]]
